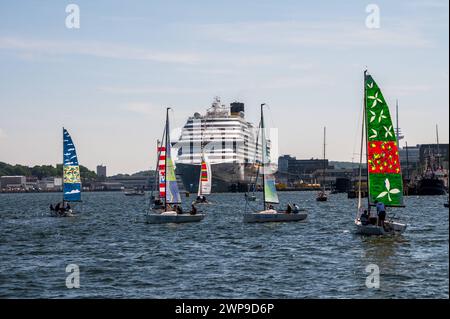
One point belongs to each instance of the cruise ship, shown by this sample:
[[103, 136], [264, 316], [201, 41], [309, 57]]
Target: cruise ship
[[229, 143]]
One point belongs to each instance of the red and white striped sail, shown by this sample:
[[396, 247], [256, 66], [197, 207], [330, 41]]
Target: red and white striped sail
[[162, 171], [204, 185]]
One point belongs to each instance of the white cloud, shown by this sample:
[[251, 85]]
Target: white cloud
[[432, 4], [96, 49], [149, 90], [143, 108], [322, 34]]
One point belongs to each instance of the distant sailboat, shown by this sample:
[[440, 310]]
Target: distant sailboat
[[71, 179], [270, 197], [204, 183], [385, 182], [169, 210], [322, 196]]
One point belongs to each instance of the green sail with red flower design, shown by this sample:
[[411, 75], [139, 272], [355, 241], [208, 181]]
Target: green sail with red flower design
[[383, 161]]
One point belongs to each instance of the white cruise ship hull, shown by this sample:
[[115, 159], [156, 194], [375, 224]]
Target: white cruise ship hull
[[226, 177]]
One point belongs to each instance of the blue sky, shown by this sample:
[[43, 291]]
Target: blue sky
[[109, 81]]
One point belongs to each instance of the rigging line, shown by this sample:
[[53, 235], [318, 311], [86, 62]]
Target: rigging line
[[358, 128]]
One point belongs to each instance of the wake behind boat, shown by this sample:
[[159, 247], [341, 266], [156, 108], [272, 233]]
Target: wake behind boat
[[71, 180], [385, 182], [269, 214], [167, 207]]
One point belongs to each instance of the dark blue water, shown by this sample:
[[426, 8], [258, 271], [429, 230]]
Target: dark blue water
[[121, 256]]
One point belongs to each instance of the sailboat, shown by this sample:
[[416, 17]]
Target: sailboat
[[169, 210], [71, 179], [204, 183], [270, 196], [322, 196], [384, 178]]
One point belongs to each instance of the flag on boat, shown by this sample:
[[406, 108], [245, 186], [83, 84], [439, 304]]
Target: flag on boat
[[383, 161], [71, 170]]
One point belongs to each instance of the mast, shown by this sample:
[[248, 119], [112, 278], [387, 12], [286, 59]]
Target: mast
[[360, 163], [367, 142], [324, 156], [165, 159], [199, 192], [396, 123], [263, 151], [62, 167]]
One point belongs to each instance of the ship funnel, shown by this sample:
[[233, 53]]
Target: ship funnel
[[237, 109]]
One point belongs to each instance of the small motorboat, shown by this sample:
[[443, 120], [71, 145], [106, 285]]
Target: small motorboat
[[134, 192]]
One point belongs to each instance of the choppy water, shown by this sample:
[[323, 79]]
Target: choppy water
[[120, 256]]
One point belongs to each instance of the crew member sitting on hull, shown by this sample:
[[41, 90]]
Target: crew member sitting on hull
[[364, 218], [289, 208], [373, 217], [193, 210]]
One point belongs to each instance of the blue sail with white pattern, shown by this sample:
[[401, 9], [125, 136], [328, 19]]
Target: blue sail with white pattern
[[71, 170]]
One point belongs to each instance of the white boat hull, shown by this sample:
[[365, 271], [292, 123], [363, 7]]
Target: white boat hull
[[173, 217], [391, 228], [273, 216]]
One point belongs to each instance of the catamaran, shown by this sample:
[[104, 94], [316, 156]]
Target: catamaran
[[71, 179], [270, 196], [322, 196], [384, 178], [169, 209]]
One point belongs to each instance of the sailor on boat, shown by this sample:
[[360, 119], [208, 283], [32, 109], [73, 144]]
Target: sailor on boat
[[364, 218], [201, 199], [381, 213], [60, 210], [193, 210]]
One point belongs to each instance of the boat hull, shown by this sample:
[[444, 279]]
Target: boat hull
[[273, 216], [172, 217], [65, 214], [391, 228], [431, 186], [226, 177]]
